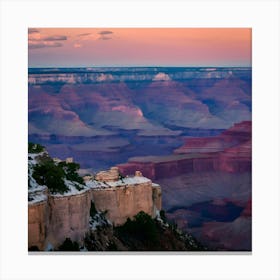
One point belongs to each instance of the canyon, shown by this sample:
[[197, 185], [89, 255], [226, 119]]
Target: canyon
[[206, 185], [54, 217], [228, 152], [188, 129], [104, 116]]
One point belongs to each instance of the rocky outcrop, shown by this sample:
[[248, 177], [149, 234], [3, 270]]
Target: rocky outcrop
[[233, 236], [120, 203], [123, 198], [164, 167], [238, 133], [108, 176], [68, 217], [228, 161], [86, 103], [236, 159], [229, 152], [38, 222], [56, 217], [247, 212]]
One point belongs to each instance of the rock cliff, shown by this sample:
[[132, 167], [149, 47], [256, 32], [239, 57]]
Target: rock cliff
[[228, 152], [37, 224], [124, 202], [53, 217], [68, 217], [238, 133]]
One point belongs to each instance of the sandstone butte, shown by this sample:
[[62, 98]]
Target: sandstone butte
[[52, 218], [231, 151]]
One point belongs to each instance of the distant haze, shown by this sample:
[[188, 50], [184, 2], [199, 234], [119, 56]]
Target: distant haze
[[89, 47]]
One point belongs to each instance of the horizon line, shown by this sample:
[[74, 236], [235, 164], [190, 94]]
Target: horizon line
[[138, 66]]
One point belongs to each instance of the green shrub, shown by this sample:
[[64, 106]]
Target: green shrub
[[35, 148], [112, 246], [121, 177], [69, 245], [71, 171], [51, 175], [162, 215], [78, 187], [142, 227], [48, 173]]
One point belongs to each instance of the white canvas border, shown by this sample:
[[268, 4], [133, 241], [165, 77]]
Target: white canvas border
[[262, 16]]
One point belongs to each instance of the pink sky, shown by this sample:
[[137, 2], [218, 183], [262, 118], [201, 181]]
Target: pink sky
[[78, 47]]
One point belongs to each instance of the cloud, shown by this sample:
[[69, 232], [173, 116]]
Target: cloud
[[77, 45], [37, 41], [101, 35], [83, 34], [43, 44], [105, 32], [105, 35], [86, 37], [33, 30], [55, 38], [104, 38]]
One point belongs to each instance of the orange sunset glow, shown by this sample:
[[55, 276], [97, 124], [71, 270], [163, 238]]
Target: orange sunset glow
[[89, 47]]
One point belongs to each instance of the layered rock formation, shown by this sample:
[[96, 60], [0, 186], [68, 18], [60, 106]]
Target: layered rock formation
[[54, 217], [228, 152], [124, 202], [123, 198], [112, 114], [236, 159], [68, 217], [235, 135], [233, 235], [57, 217], [38, 221]]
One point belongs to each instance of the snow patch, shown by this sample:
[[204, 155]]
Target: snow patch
[[93, 184], [49, 247], [74, 189], [36, 197], [98, 220]]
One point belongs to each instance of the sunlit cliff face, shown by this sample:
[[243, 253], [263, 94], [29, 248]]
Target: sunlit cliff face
[[128, 110], [161, 77], [104, 77]]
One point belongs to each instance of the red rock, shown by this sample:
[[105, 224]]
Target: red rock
[[235, 235], [232, 153], [235, 135], [236, 159], [247, 212]]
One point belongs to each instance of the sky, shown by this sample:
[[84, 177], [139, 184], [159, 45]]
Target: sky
[[90, 47]]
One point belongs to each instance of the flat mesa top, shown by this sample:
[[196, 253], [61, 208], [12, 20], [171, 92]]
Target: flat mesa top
[[122, 182], [156, 159]]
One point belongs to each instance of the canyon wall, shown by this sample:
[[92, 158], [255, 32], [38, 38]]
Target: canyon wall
[[229, 160], [68, 217], [235, 135], [125, 202], [58, 217], [38, 224], [231, 151], [236, 159]]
